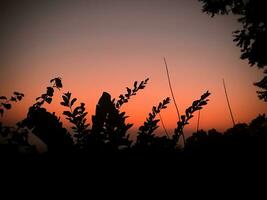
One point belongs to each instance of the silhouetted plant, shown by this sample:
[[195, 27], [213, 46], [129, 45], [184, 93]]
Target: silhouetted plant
[[5, 103], [47, 126], [130, 92], [196, 105], [262, 84], [145, 136], [15, 141], [47, 97], [109, 127], [76, 115], [15, 138]]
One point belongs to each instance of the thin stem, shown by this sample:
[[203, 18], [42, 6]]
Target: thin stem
[[161, 120], [232, 117], [198, 120], [170, 85]]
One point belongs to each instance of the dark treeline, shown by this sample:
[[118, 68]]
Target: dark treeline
[[109, 131]]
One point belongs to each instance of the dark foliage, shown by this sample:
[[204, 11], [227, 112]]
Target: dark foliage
[[76, 116], [196, 105], [130, 92], [109, 127], [47, 126], [6, 103], [241, 140], [47, 97], [252, 37], [109, 130], [146, 139]]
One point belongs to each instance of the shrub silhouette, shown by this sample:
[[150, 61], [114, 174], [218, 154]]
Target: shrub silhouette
[[77, 117], [146, 140], [14, 139], [47, 126], [109, 127], [242, 139], [109, 130], [5, 103], [196, 105]]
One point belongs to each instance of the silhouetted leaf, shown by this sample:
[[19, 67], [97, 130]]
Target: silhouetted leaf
[[3, 97], [58, 83], [205, 95], [129, 90], [48, 100], [199, 108], [7, 105], [73, 101], [154, 122], [43, 96], [13, 99], [135, 84], [67, 113], [64, 104], [194, 104], [65, 99], [50, 91], [76, 110], [19, 98], [202, 103], [154, 109]]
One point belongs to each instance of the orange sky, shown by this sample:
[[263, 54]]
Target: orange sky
[[99, 45]]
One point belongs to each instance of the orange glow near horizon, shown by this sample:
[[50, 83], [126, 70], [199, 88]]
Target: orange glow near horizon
[[106, 46]]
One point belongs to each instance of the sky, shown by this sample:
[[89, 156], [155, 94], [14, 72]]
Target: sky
[[106, 45]]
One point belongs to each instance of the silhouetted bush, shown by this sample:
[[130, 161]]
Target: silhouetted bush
[[109, 130]]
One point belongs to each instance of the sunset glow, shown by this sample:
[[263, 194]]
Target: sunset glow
[[101, 45]]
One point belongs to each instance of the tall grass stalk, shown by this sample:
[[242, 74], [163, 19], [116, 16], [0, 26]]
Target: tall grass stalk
[[228, 103], [198, 119], [170, 86]]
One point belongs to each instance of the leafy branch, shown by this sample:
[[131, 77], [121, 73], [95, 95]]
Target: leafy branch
[[196, 105], [130, 92], [145, 133], [75, 115], [5, 103], [47, 97]]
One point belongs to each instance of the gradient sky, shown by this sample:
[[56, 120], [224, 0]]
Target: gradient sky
[[105, 45]]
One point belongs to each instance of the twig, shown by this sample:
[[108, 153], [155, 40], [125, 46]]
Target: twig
[[171, 89], [198, 120], [163, 126], [228, 103], [177, 110]]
